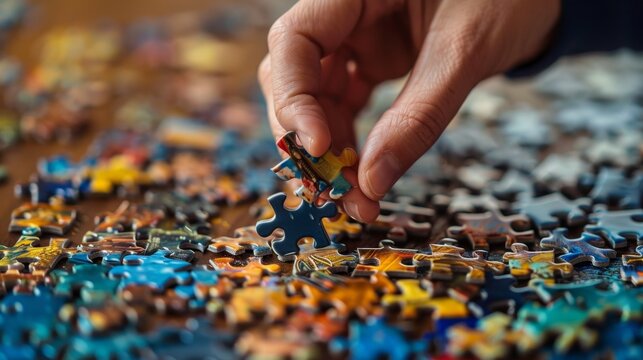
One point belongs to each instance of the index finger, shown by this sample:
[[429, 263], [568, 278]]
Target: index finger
[[297, 42]]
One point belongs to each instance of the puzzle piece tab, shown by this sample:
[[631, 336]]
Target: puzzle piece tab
[[28, 251], [316, 173], [303, 221], [580, 249]]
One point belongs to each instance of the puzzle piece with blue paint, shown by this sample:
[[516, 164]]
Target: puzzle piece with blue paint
[[632, 268], [578, 250], [546, 211], [525, 126], [303, 221], [198, 341], [157, 271], [316, 173], [125, 345], [29, 316], [375, 339], [181, 243], [611, 185], [499, 293], [92, 281], [617, 226]]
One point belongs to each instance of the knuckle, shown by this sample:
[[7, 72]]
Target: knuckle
[[277, 33]]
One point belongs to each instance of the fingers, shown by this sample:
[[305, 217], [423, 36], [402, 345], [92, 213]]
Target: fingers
[[298, 41], [437, 86]]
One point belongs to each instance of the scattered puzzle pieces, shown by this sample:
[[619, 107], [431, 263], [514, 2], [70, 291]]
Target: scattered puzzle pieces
[[316, 174], [341, 226], [580, 249], [100, 245], [181, 243], [92, 281], [296, 224]]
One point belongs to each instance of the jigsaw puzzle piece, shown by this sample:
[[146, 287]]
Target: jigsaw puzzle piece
[[493, 338], [296, 224], [198, 341], [29, 251], [525, 264], [127, 218], [499, 294], [632, 268], [413, 298], [272, 301], [317, 173], [461, 200], [250, 271], [157, 271], [276, 342], [246, 238], [50, 219], [612, 186], [446, 259], [484, 229], [92, 281], [402, 219], [617, 226], [560, 171], [375, 339], [100, 245], [327, 259], [386, 259], [547, 211], [124, 345], [580, 249], [181, 243], [341, 226]]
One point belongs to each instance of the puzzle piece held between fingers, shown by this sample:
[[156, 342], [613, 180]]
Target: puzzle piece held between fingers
[[316, 173], [303, 221], [578, 250]]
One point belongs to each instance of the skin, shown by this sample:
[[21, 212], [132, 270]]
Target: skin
[[326, 56]]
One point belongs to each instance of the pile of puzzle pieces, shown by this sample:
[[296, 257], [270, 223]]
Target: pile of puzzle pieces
[[519, 235]]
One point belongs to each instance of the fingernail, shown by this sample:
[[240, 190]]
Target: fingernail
[[306, 139], [352, 210], [381, 176]]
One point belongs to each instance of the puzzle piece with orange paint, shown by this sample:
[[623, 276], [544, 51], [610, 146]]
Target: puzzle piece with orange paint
[[413, 298], [250, 271], [52, 218], [387, 259], [246, 238], [525, 264]]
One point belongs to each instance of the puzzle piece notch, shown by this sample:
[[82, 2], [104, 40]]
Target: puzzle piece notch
[[402, 219], [40, 259], [316, 173], [385, 259], [525, 264], [296, 224], [445, 259], [484, 229], [617, 226], [578, 250]]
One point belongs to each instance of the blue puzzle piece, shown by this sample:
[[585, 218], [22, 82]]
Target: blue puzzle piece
[[199, 341], [376, 339], [260, 181], [92, 280], [617, 226], [29, 316], [611, 185], [18, 352], [303, 221], [499, 292], [578, 250], [202, 276], [122, 345], [526, 127], [545, 211], [157, 271]]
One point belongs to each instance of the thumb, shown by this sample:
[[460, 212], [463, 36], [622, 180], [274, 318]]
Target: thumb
[[437, 86]]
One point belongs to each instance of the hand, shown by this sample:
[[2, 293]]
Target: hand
[[326, 56]]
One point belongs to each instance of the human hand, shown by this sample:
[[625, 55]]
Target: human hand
[[326, 56]]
